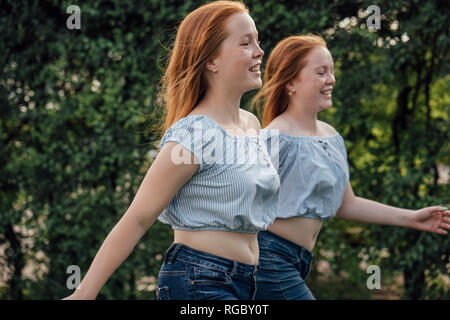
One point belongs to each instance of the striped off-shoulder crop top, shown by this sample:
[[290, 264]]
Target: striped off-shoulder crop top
[[236, 187], [313, 173]]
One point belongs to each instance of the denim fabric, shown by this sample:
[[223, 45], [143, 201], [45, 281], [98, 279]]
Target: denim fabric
[[190, 274], [283, 269]]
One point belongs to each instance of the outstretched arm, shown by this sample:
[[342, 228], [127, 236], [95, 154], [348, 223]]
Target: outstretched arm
[[158, 187], [433, 219]]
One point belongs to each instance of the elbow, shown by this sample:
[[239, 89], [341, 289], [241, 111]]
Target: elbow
[[144, 221], [139, 223]]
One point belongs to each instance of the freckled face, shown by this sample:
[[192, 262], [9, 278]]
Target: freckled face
[[240, 55], [314, 84]]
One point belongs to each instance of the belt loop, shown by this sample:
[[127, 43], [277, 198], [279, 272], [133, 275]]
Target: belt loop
[[299, 254], [304, 255], [234, 270], [307, 255], [255, 269], [172, 252]]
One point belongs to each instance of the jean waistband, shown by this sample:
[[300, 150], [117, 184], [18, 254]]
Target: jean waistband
[[201, 258], [299, 250]]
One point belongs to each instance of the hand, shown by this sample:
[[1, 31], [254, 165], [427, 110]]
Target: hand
[[433, 219]]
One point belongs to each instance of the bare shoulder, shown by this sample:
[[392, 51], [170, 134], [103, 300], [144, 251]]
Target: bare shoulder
[[281, 124], [328, 129], [250, 120]]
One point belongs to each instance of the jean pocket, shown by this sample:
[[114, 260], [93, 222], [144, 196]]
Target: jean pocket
[[162, 293], [204, 276]]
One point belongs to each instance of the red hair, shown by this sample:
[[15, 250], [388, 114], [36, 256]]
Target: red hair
[[198, 40], [285, 62]]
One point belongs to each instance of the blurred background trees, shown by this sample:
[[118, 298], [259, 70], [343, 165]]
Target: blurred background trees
[[78, 122]]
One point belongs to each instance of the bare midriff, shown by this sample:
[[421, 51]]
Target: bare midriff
[[301, 231], [240, 247]]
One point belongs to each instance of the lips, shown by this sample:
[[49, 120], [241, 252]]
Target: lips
[[327, 92], [255, 68]]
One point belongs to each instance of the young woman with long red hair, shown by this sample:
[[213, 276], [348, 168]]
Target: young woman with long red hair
[[202, 182], [313, 169]]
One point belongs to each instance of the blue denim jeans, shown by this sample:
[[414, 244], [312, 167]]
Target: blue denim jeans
[[190, 274], [283, 268]]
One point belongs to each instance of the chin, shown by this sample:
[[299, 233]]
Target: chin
[[325, 107], [258, 86], [259, 83], [254, 86]]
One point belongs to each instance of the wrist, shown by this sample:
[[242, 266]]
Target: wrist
[[410, 221]]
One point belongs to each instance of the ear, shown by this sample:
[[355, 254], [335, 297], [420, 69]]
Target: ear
[[212, 66], [290, 86]]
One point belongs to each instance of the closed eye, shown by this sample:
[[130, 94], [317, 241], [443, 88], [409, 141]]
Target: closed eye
[[322, 73], [246, 43]]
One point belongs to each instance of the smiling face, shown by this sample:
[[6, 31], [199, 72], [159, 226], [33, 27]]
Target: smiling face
[[313, 86], [239, 59]]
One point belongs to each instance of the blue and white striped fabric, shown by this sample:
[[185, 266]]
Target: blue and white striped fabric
[[236, 187], [313, 173]]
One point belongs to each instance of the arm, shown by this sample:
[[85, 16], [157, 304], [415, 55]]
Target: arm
[[358, 209], [162, 181]]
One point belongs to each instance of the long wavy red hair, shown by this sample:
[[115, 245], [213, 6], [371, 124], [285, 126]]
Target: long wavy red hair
[[198, 40], [285, 62]]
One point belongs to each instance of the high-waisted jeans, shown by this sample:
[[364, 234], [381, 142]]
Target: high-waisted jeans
[[283, 268], [190, 274]]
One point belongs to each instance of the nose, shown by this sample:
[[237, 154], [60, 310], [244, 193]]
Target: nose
[[331, 79], [259, 52]]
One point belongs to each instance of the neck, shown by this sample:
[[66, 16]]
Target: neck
[[303, 118], [223, 104]]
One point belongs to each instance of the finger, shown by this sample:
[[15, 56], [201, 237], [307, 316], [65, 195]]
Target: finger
[[441, 231], [437, 213], [444, 226], [437, 209]]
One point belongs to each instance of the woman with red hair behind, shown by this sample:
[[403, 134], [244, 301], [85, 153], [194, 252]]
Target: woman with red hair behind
[[202, 182], [311, 159]]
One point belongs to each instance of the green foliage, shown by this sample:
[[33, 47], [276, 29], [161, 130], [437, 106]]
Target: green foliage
[[76, 107]]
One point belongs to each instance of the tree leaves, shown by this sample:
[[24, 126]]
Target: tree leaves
[[75, 108]]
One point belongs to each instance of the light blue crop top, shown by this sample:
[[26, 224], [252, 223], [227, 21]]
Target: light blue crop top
[[236, 187], [313, 173]]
